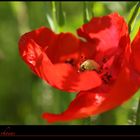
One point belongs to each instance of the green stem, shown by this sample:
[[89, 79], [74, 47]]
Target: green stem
[[138, 114], [88, 11], [92, 9], [61, 16], [85, 12], [133, 16], [54, 14]]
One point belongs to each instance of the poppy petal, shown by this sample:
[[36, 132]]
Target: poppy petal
[[43, 36], [59, 47], [92, 103], [62, 76], [65, 47], [108, 30]]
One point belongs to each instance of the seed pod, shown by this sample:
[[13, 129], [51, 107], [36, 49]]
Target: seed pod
[[89, 65]]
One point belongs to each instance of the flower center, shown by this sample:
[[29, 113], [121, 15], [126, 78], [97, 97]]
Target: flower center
[[70, 61], [106, 77], [89, 65]]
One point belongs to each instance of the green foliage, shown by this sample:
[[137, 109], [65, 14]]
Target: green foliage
[[132, 16], [60, 15]]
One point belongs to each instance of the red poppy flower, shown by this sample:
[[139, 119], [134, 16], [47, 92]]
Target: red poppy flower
[[119, 69], [56, 59], [100, 64]]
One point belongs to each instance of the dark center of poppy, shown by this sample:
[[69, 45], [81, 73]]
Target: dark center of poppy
[[70, 61], [92, 65], [106, 77]]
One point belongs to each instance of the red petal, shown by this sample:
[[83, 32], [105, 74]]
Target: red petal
[[108, 30], [66, 46], [136, 52], [58, 47], [62, 76], [42, 36], [92, 103]]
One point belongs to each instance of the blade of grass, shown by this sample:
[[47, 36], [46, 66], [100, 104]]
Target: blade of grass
[[133, 17], [54, 15]]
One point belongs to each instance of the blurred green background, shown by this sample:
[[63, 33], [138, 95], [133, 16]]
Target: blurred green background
[[23, 96]]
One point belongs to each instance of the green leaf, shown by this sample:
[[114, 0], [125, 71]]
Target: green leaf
[[50, 21], [56, 18], [135, 28], [133, 15], [61, 15]]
